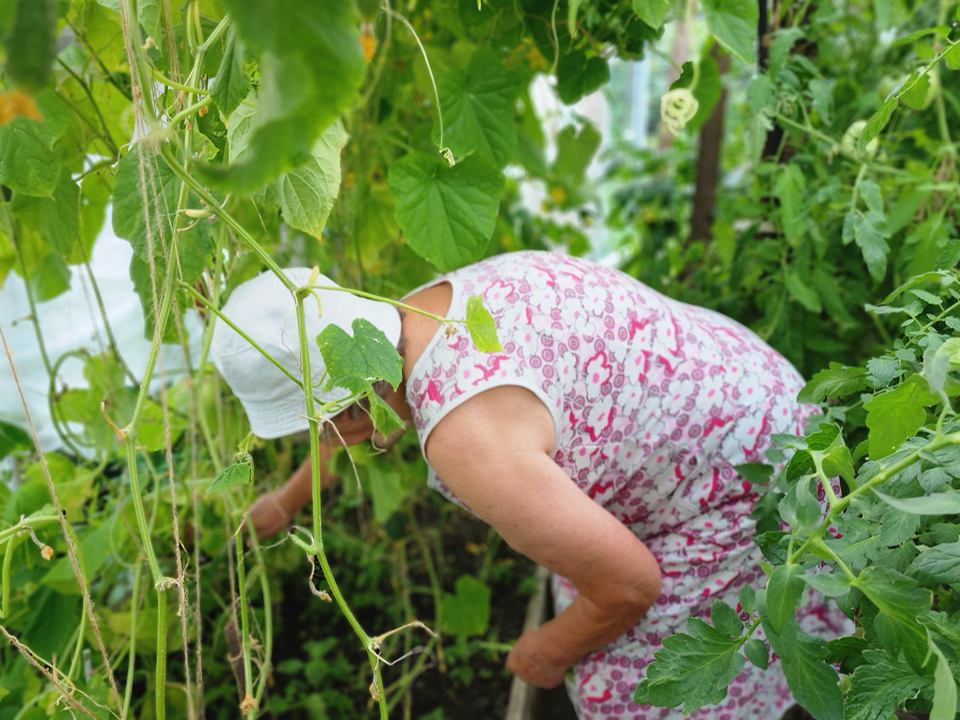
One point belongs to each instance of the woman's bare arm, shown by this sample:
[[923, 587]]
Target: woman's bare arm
[[494, 453]]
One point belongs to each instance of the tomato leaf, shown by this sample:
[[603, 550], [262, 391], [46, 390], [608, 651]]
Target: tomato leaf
[[725, 619], [447, 214], [870, 233], [837, 382], [478, 107], [368, 354], [784, 590], [880, 685], [899, 602], [895, 416], [877, 122], [693, 669], [757, 653], [937, 565], [814, 684], [944, 688], [943, 503]]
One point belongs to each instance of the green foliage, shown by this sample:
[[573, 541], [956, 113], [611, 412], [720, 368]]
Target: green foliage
[[367, 354], [481, 326], [324, 136], [447, 213], [30, 42], [692, 669], [478, 107], [467, 611], [311, 66]]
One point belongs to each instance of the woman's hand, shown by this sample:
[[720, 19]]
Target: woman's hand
[[530, 663]]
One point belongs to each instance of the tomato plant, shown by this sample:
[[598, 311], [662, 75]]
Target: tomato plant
[[384, 143]]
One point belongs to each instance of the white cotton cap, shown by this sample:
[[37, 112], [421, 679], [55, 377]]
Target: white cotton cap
[[265, 310]]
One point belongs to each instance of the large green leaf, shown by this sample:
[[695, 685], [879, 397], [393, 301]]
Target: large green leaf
[[12, 439], [813, 683], [734, 24], [148, 225], [784, 590], [693, 669], [468, 611], [95, 546], [937, 565], [578, 76], [881, 685], [28, 163], [942, 503], [306, 194], [447, 214], [478, 107], [232, 84], [31, 44], [368, 354], [56, 218], [311, 65], [944, 688], [895, 416], [870, 233], [899, 602], [652, 12], [837, 382]]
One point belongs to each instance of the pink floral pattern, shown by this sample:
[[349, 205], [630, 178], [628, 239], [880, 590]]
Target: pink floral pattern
[[654, 402]]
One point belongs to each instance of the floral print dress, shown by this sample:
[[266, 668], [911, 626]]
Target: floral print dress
[[653, 402]]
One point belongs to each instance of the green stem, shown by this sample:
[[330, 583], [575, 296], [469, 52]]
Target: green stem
[[179, 86], [7, 559], [824, 548], [317, 547], [197, 296], [161, 671], [33, 522], [397, 303], [188, 111], [139, 511], [434, 587], [836, 144], [881, 477], [215, 34], [221, 212], [34, 319], [266, 669], [245, 629], [132, 658], [165, 304]]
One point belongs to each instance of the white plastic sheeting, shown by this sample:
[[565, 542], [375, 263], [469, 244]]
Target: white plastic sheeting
[[69, 322]]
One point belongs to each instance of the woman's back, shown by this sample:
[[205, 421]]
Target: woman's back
[[654, 402]]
